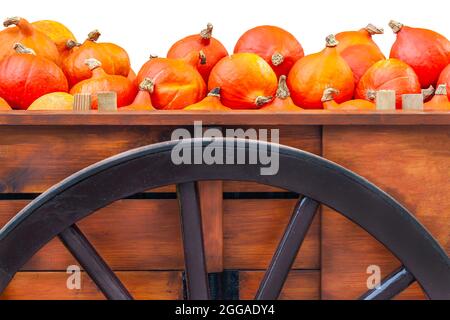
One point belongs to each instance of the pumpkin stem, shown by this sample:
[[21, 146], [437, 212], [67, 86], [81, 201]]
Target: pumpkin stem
[[70, 44], [214, 92], [331, 41], [202, 57], [11, 21], [371, 94], [24, 25], [441, 90], [147, 85], [20, 48], [94, 35], [152, 57], [371, 29], [427, 93], [395, 26], [92, 63], [262, 100], [328, 94], [282, 90], [277, 59], [206, 34]]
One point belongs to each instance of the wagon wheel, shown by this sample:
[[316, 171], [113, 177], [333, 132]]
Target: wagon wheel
[[55, 213]]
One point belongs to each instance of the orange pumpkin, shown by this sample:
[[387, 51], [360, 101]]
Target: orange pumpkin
[[4, 105], [177, 81], [283, 100], [29, 36], [426, 51], [277, 46], [53, 101], [24, 77], [57, 32], [205, 42], [210, 103], [143, 100], [330, 104], [363, 36], [445, 78], [114, 59], [246, 81], [440, 101], [311, 75], [102, 81], [389, 74]]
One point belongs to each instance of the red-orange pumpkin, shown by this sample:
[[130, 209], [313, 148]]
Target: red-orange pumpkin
[[283, 100], [210, 103], [389, 74], [440, 101], [24, 77], [246, 81], [114, 59], [445, 78], [205, 42], [102, 81], [178, 83], [311, 75], [426, 51], [275, 45], [143, 100], [358, 104], [4, 105], [29, 36]]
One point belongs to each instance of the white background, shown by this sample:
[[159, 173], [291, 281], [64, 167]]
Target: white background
[[150, 27]]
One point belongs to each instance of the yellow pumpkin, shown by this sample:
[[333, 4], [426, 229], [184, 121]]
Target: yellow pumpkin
[[53, 101]]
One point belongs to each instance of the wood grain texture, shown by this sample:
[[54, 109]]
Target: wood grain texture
[[142, 285], [300, 285], [253, 228], [410, 163]]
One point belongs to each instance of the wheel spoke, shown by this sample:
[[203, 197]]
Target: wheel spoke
[[93, 264], [287, 250], [390, 286], [194, 252]]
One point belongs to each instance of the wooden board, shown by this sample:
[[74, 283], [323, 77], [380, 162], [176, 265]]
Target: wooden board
[[300, 285], [142, 285], [410, 163]]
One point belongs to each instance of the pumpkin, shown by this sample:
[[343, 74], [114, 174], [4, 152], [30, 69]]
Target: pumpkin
[[29, 36], [205, 42], [358, 104], [53, 101], [210, 103], [428, 93], [131, 75], [440, 101], [4, 105], [102, 81], [177, 82], [277, 46], [359, 50], [143, 100], [114, 59], [24, 77], [283, 100], [445, 78], [57, 32], [311, 75], [426, 51], [246, 81], [389, 74]]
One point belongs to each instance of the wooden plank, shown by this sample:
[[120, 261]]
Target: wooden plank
[[143, 285], [253, 228], [410, 163], [300, 285]]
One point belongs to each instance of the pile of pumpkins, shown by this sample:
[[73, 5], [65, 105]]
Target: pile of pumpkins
[[42, 66]]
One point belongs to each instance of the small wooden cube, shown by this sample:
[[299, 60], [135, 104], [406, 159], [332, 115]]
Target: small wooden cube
[[412, 102], [385, 100], [107, 101]]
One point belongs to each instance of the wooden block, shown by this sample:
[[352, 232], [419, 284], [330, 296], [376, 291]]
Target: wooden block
[[107, 101], [385, 100], [412, 102], [82, 102]]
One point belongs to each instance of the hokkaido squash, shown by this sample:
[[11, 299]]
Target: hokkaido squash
[[389, 74], [53, 101], [358, 104], [24, 77], [114, 59], [445, 78], [426, 51], [277, 46], [246, 81], [283, 100], [205, 42], [440, 101], [57, 32], [210, 103], [311, 75], [143, 100], [102, 81], [4, 105], [25, 33], [178, 83]]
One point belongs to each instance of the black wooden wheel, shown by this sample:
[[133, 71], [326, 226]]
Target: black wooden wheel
[[56, 212]]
